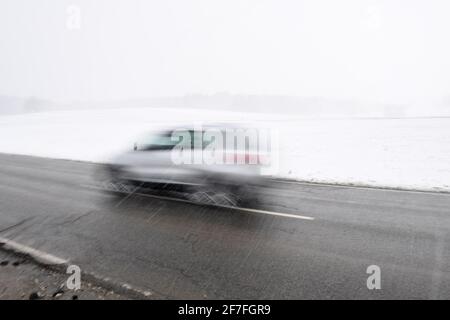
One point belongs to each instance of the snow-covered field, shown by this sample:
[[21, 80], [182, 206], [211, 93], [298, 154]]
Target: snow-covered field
[[404, 153]]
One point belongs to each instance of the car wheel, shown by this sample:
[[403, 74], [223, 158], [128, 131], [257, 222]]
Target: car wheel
[[217, 198]]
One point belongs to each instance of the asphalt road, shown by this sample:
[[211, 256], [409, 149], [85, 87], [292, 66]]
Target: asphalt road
[[181, 250]]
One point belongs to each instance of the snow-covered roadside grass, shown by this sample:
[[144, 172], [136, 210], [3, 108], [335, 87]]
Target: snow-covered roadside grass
[[398, 153]]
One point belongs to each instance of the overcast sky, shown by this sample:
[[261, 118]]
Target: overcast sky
[[389, 51]]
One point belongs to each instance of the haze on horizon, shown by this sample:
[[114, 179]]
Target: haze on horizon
[[385, 51]]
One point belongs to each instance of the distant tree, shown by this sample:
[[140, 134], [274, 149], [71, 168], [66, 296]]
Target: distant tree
[[32, 104]]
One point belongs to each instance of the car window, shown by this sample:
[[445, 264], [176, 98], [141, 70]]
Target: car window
[[156, 141]]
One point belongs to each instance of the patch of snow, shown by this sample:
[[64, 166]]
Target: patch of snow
[[400, 153]]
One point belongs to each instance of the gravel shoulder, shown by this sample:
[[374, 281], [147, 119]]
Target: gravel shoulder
[[22, 279]]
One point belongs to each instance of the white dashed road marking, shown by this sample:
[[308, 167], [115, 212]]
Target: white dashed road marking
[[279, 214]]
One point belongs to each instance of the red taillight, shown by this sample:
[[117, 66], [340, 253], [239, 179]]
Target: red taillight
[[245, 158]]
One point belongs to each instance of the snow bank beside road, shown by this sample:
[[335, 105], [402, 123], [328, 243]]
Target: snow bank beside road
[[403, 153]]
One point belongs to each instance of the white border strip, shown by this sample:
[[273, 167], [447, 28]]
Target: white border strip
[[37, 255]]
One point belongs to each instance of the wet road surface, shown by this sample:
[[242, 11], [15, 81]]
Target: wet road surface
[[180, 250]]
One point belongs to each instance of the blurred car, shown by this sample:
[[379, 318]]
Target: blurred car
[[213, 164]]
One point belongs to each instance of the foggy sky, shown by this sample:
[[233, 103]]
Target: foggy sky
[[389, 51]]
